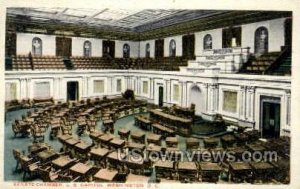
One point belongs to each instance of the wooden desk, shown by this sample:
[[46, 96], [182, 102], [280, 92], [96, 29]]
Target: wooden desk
[[238, 151], [80, 169], [210, 171], [211, 142], [104, 140], [154, 138], [95, 134], [105, 175], [117, 143], [240, 171], [255, 147], [164, 169], [172, 141], [124, 133], [187, 170], [138, 136], [98, 153], [115, 160], [153, 148], [242, 138], [135, 164], [262, 170], [164, 131], [138, 146], [47, 155], [99, 156], [37, 147], [81, 150], [63, 138], [228, 140], [108, 125], [182, 125], [177, 154], [63, 162], [142, 122], [192, 143], [199, 154], [132, 178]]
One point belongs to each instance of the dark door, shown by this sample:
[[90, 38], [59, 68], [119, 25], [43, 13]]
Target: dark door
[[232, 37], [108, 49], [288, 32], [188, 46], [160, 96], [72, 90], [271, 120], [159, 48], [10, 43], [63, 46]]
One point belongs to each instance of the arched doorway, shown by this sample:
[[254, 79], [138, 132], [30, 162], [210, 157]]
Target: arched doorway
[[196, 98], [261, 40]]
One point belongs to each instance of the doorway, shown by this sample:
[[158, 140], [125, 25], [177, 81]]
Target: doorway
[[108, 49], [188, 46], [288, 32], [270, 118], [261, 41], [159, 48], [196, 98], [63, 46], [72, 91], [160, 96], [232, 37]]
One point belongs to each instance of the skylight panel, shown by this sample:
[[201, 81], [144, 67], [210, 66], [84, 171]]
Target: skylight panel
[[80, 12]]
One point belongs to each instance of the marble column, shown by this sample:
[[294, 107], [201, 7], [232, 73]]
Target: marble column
[[23, 90], [242, 102], [183, 86], [151, 89], [250, 103], [167, 91], [28, 82], [288, 107], [206, 97]]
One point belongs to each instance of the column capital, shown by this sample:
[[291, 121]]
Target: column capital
[[251, 89], [205, 85], [213, 85]]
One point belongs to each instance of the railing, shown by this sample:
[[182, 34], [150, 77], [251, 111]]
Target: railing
[[286, 52], [228, 50]]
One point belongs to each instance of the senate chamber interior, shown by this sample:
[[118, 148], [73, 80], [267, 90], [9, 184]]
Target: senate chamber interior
[[149, 95]]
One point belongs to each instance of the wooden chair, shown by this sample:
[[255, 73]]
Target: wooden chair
[[47, 175], [17, 153], [29, 167]]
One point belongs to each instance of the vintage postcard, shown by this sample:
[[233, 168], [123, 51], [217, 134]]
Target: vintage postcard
[[150, 94]]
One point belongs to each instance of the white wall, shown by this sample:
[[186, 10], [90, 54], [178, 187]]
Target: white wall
[[134, 48], [276, 34], [249, 88], [24, 43], [143, 48], [275, 28], [216, 35], [77, 46], [178, 40]]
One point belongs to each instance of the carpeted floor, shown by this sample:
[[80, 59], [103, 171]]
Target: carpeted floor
[[12, 142]]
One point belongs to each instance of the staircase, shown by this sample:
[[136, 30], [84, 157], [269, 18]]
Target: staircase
[[272, 63], [284, 68], [261, 64]]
